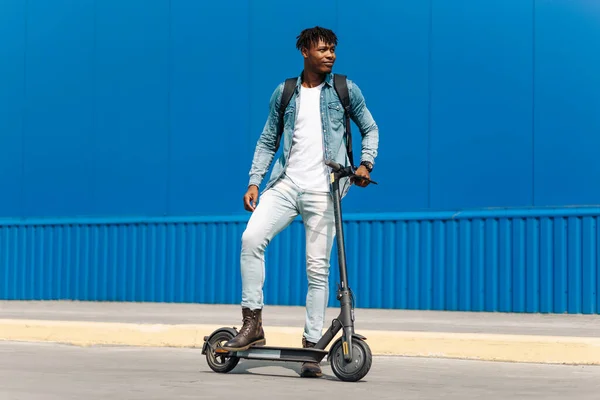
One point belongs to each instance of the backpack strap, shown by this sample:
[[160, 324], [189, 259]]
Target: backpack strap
[[288, 91], [341, 88]]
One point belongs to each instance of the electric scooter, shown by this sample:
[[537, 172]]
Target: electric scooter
[[350, 356]]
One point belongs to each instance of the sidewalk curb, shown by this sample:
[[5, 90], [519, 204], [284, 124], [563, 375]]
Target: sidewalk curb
[[476, 346]]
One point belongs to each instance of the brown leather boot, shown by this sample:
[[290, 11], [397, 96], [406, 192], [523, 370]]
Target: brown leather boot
[[310, 369], [251, 333]]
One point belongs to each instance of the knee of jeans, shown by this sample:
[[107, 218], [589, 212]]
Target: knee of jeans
[[253, 242], [317, 272]]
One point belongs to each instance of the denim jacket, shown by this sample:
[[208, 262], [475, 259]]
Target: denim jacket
[[333, 122]]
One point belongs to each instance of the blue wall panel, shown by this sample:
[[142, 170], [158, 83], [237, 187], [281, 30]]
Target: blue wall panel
[[209, 97], [389, 61], [513, 261], [131, 137], [59, 114], [567, 102], [13, 16], [481, 110]]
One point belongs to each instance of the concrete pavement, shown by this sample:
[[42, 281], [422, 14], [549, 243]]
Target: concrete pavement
[[571, 339], [43, 371]]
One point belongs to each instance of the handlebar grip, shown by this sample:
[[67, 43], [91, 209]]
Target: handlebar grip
[[333, 165]]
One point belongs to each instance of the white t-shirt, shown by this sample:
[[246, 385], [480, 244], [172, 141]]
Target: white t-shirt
[[306, 166]]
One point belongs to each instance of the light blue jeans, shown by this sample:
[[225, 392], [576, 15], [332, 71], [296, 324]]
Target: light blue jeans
[[277, 208]]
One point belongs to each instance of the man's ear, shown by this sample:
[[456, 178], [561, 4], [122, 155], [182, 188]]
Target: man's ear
[[304, 52]]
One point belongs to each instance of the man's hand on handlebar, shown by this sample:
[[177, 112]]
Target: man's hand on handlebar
[[251, 198], [362, 172]]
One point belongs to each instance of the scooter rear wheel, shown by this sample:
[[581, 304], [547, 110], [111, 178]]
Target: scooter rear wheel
[[360, 365], [220, 362]]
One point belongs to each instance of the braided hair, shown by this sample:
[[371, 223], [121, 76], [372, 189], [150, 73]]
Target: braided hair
[[313, 35]]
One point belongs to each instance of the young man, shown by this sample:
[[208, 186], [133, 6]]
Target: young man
[[313, 132]]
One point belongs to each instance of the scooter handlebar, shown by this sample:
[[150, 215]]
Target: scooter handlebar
[[348, 171]]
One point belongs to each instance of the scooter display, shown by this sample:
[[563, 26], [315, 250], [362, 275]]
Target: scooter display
[[350, 356]]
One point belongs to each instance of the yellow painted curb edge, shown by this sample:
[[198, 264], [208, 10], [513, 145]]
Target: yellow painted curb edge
[[496, 347]]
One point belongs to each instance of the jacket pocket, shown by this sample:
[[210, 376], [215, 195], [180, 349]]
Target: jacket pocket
[[336, 116], [336, 110]]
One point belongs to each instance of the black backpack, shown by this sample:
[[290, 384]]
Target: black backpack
[[341, 88]]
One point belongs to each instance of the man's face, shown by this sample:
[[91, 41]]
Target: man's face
[[320, 58]]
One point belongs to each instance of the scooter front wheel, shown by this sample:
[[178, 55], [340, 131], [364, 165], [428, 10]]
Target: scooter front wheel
[[220, 362], [356, 369]]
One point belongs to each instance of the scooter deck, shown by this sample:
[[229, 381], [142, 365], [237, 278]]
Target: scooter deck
[[279, 353]]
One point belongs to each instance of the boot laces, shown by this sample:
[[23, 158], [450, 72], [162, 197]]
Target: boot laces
[[247, 323]]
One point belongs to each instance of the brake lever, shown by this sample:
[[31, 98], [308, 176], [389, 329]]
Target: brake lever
[[364, 179]]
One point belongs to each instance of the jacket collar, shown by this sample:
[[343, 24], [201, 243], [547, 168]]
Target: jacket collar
[[328, 80]]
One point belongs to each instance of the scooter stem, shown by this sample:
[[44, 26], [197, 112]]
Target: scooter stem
[[344, 295], [339, 231]]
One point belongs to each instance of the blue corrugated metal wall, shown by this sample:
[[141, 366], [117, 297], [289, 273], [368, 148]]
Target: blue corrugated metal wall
[[511, 261], [137, 108]]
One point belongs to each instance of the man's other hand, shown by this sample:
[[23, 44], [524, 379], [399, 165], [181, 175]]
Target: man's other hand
[[251, 198]]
